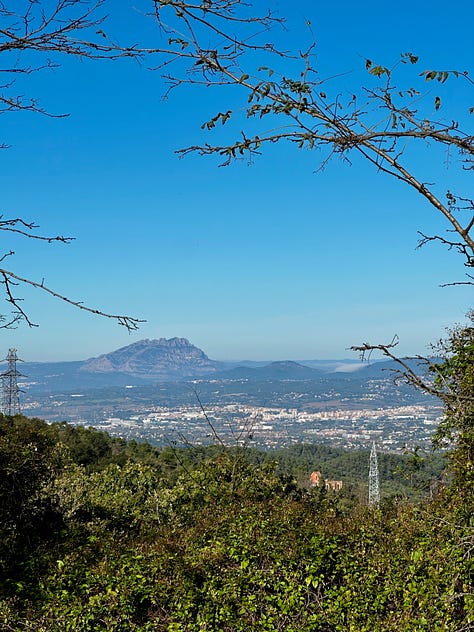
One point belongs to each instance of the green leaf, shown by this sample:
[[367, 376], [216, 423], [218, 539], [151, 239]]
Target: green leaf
[[413, 59], [378, 71]]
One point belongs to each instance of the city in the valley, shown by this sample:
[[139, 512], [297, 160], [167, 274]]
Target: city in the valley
[[267, 414], [166, 391]]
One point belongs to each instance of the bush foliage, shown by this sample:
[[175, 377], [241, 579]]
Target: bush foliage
[[101, 534]]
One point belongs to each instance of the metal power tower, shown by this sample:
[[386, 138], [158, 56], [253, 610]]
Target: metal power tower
[[374, 488], [10, 390]]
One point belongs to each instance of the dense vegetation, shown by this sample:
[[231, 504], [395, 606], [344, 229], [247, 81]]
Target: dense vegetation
[[103, 534]]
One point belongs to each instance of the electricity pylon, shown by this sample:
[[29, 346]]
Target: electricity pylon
[[374, 488], [10, 390]]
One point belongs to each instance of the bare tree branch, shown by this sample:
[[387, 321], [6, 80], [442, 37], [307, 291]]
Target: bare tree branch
[[10, 279], [34, 36], [10, 225]]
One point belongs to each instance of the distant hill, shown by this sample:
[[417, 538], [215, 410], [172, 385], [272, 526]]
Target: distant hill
[[348, 365], [284, 370]]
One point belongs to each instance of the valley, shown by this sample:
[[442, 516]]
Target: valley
[[341, 412], [169, 391]]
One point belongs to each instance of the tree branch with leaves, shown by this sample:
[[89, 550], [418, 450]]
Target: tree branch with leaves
[[284, 96]]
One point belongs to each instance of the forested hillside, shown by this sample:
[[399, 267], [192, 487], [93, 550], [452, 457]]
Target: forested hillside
[[101, 534]]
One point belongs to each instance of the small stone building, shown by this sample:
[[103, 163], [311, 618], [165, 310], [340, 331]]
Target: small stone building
[[316, 479]]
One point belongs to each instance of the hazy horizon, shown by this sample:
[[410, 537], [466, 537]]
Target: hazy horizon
[[355, 360]]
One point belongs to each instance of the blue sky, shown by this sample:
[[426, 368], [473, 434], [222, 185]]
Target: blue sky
[[271, 260]]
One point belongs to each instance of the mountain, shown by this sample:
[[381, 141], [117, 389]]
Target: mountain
[[160, 360], [284, 370]]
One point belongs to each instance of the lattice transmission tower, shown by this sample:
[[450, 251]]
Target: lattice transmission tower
[[10, 389], [374, 487]]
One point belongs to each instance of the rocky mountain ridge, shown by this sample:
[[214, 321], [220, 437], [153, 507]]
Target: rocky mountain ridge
[[173, 358]]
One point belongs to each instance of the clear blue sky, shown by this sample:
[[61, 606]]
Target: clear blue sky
[[263, 261]]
